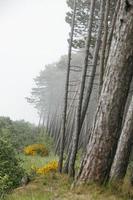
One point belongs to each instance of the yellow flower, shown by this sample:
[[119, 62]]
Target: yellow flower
[[49, 167], [36, 149]]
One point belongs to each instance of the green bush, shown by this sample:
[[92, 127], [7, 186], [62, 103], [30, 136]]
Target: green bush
[[11, 171], [47, 141], [21, 133]]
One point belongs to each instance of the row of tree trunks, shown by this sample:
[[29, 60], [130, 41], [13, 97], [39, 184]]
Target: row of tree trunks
[[63, 130], [81, 93], [94, 62], [108, 119]]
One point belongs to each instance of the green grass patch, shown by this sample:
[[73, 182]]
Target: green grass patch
[[54, 186], [45, 187], [35, 161]]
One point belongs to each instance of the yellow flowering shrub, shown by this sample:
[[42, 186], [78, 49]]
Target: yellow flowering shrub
[[49, 167], [36, 149]]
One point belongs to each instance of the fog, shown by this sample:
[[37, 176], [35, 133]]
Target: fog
[[32, 33]]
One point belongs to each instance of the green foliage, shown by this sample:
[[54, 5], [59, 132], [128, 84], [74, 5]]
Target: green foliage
[[20, 133], [47, 141], [81, 20], [6, 127], [24, 134], [11, 171]]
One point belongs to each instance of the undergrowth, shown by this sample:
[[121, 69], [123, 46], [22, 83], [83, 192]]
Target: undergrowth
[[53, 186]]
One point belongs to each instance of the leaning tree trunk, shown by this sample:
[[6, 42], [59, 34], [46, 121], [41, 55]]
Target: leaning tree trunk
[[103, 48], [107, 123], [121, 159], [108, 45]]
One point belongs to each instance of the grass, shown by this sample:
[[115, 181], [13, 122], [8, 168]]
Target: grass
[[57, 187], [42, 188], [36, 161], [54, 186]]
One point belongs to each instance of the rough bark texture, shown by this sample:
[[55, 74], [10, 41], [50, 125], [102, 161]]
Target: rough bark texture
[[107, 123], [111, 31], [121, 160], [103, 48]]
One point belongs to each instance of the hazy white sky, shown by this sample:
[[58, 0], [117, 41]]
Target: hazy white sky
[[32, 33]]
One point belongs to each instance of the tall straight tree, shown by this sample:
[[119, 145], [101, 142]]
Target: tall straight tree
[[121, 160], [81, 92], [108, 119], [94, 62], [63, 130]]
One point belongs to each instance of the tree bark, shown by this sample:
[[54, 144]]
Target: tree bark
[[121, 159], [103, 48], [111, 32], [107, 122]]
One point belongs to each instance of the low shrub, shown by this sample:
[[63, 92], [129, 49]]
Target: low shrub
[[11, 171], [49, 167], [36, 149]]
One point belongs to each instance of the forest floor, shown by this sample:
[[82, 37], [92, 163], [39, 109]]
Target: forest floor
[[54, 186]]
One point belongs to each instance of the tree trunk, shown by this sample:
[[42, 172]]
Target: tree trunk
[[107, 123], [121, 159], [66, 165], [81, 93], [111, 31], [94, 62], [103, 48], [63, 130]]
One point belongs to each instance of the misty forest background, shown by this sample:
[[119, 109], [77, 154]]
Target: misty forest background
[[82, 145]]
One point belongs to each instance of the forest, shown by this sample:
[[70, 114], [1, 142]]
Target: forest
[[82, 146]]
